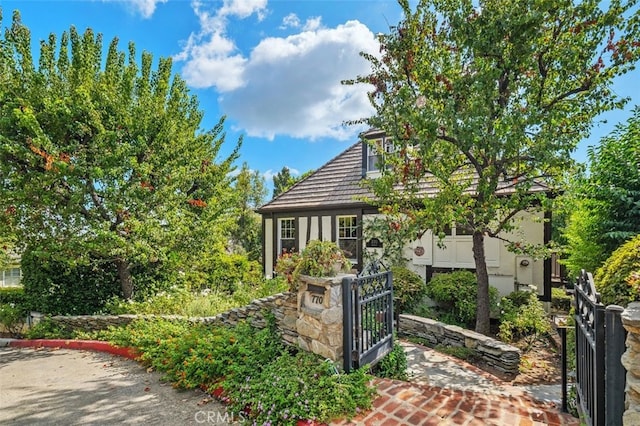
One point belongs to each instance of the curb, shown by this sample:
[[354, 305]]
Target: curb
[[94, 345], [90, 345]]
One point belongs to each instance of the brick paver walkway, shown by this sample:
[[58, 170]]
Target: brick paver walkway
[[403, 403]]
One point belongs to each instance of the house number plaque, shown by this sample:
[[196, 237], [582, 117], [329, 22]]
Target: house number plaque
[[315, 296]]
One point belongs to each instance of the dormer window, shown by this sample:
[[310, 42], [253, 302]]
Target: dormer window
[[376, 150]]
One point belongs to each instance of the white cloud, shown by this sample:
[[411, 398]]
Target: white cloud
[[290, 21], [212, 58], [313, 24], [146, 8], [292, 85], [286, 85]]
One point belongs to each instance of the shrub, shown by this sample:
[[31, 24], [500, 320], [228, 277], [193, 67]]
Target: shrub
[[456, 293], [322, 259], [560, 299], [614, 280], [230, 270], [179, 301], [12, 318], [13, 295], [408, 289], [523, 316], [259, 375], [58, 287], [286, 266], [393, 365], [48, 329]]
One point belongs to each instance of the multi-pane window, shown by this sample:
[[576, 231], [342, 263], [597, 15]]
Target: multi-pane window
[[287, 236], [376, 151], [348, 236], [10, 277]]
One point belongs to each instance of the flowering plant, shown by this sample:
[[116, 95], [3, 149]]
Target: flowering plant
[[286, 265], [323, 259]]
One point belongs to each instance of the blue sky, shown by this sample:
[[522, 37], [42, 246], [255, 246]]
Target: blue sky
[[272, 67]]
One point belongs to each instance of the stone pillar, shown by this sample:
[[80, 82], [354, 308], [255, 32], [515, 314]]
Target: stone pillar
[[631, 362], [319, 323]]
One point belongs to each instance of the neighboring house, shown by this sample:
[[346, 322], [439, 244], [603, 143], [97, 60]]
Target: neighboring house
[[326, 206], [11, 276]]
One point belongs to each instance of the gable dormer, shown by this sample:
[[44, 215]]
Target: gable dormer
[[376, 145]]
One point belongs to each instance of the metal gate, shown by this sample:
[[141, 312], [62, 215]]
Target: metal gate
[[368, 319], [600, 376]]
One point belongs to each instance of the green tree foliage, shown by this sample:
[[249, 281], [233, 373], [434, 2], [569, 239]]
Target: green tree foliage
[[283, 180], [246, 232], [488, 100], [605, 206], [104, 156], [62, 287], [618, 280]]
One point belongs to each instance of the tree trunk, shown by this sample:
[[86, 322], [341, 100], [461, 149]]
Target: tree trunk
[[483, 310], [124, 275]]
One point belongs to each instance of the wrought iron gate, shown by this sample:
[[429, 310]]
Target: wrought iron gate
[[368, 318], [600, 342]]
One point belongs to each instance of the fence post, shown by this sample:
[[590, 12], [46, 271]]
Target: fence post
[[347, 323], [615, 375]]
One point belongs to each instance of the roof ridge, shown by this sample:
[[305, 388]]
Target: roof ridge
[[298, 183]]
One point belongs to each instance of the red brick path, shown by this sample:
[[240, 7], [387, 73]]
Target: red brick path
[[402, 403]]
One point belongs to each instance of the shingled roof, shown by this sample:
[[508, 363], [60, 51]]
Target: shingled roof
[[336, 184]]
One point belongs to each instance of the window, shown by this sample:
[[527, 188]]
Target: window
[[287, 235], [375, 152], [10, 277], [348, 236]]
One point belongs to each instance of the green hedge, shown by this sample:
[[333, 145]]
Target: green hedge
[[57, 287], [13, 295]]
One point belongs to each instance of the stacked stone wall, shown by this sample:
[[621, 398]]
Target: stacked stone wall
[[283, 306], [501, 356]]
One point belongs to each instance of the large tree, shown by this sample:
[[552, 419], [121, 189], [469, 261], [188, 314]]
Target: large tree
[[250, 192], [103, 157], [488, 98], [604, 206]]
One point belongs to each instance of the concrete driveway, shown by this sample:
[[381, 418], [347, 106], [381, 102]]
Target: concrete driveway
[[72, 387]]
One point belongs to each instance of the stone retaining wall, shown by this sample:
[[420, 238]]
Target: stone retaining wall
[[504, 358], [283, 306]]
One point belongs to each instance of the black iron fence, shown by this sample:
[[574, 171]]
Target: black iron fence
[[600, 342], [368, 319]]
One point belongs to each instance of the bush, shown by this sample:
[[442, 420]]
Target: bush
[[13, 295], [228, 271], [560, 300], [408, 289], [614, 280], [523, 316], [259, 375], [58, 287], [393, 365], [179, 301], [322, 259], [456, 294], [12, 318], [48, 329]]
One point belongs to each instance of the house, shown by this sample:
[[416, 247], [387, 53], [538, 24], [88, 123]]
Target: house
[[327, 206], [11, 276]]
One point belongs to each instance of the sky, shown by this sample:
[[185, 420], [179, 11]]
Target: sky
[[273, 68]]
